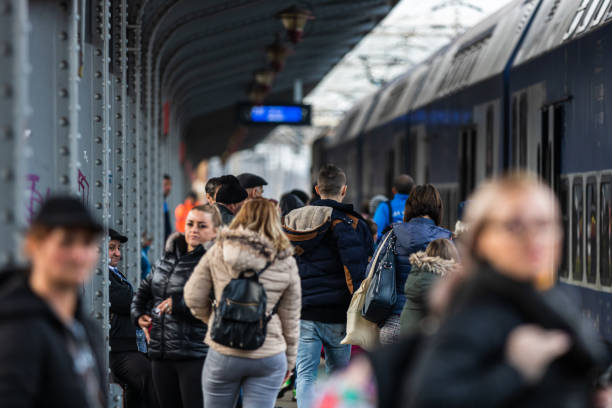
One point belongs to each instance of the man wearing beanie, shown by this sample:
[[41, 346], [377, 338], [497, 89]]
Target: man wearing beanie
[[230, 198], [252, 184], [52, 353]]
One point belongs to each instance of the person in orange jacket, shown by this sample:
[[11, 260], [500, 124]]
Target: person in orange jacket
[[181, 211]]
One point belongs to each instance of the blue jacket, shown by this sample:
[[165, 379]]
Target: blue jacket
[[333, 246], [412, 237], [381, 216]]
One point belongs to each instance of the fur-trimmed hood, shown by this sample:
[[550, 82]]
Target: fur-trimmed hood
[[421, 262], [176, 244], [244, 249]]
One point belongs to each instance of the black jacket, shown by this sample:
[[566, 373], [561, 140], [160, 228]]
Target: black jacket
[[464, 365], [36, 368], [176, 336], [333, 245], [226, 215], [122, 330]]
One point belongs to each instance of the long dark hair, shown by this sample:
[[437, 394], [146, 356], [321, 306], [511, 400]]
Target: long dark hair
[[424, 200]]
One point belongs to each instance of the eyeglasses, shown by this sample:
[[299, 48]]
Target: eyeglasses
[[522, 227]]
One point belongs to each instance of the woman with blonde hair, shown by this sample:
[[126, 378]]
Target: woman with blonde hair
[[255, 242], [507, 337]]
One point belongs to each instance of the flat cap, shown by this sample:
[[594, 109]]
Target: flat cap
[[114, 235], [248, 180]]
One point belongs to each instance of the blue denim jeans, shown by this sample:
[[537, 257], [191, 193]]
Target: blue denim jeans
[[313, 335]]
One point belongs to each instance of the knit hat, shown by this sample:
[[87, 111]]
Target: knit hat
[[66, 212], [248, 180], [231, 192]]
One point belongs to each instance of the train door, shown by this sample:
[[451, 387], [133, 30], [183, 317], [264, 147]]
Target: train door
[[418, 154], [549, 147], [486, 119], [527, 126], [467, 161]]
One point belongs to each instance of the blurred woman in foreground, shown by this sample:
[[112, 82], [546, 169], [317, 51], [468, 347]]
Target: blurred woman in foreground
[[503, 342]]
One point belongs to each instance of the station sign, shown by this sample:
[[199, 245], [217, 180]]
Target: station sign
[[275, 114]]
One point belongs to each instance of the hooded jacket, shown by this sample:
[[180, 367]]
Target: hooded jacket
[[465, 364], [177, 335], [412, 236], [425, 271], [333, 246], [237, 250], [36, 367]]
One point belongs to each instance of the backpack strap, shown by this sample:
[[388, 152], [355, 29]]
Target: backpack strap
[[390, 212], [273, 311]]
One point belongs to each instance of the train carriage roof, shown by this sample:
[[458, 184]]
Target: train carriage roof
[[481, 53], [561, 21], [354, 120]]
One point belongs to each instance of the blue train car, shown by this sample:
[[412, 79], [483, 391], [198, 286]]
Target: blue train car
[[525, 88]]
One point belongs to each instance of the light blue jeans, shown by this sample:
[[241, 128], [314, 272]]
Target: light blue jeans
[[313, 335], [260, 380]]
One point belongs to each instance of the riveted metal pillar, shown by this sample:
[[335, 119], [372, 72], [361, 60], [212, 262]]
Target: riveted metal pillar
[[14, 69], [66, 103]]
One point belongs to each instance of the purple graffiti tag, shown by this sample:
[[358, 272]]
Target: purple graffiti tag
[[83, 188], [36, 198]]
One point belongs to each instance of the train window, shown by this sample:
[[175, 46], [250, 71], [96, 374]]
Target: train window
[[591, 230], [489, 143], [563, 196], [605, 232], [577, 229], [523, 130]]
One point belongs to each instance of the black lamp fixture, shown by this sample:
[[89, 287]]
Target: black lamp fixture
[[276, 54]]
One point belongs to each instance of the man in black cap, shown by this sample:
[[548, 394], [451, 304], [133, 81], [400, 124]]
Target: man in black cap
[[52, 353], [130, 367], [252, 184], [230, 198]]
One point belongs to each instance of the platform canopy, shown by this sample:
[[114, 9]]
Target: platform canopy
[[210, 55]]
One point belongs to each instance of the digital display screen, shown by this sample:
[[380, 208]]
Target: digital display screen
[[275, 114], [272, 114]]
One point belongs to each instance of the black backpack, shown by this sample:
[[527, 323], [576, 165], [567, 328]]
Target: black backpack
[[240, 316]]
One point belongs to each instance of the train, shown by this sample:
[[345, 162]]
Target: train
[[527, 87]]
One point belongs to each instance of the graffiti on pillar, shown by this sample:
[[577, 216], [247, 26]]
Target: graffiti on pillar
[[36, 197], [83, 188]]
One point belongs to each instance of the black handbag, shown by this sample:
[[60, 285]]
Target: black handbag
[[381, 295], [240, 316]]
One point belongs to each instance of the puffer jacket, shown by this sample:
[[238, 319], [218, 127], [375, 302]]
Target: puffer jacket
[[468, 353], [412, 236], [333, 246], [237, 250], [425, 271], [179, 335]]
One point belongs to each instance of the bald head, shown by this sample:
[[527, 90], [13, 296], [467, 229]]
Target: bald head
[[403, 184]]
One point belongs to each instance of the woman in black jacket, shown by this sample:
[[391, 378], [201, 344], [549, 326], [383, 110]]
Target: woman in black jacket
[[508, 339], [176, 338]]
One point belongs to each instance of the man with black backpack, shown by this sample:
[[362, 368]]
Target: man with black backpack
[[333, 246], [392, 211]]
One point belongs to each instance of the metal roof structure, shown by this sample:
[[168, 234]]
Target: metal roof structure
[[201, 57]]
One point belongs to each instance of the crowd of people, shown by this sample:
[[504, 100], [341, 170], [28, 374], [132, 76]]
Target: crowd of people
[[250, 294]]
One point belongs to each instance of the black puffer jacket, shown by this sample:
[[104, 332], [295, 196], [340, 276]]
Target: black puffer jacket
[[176, 336], [36, 366]]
